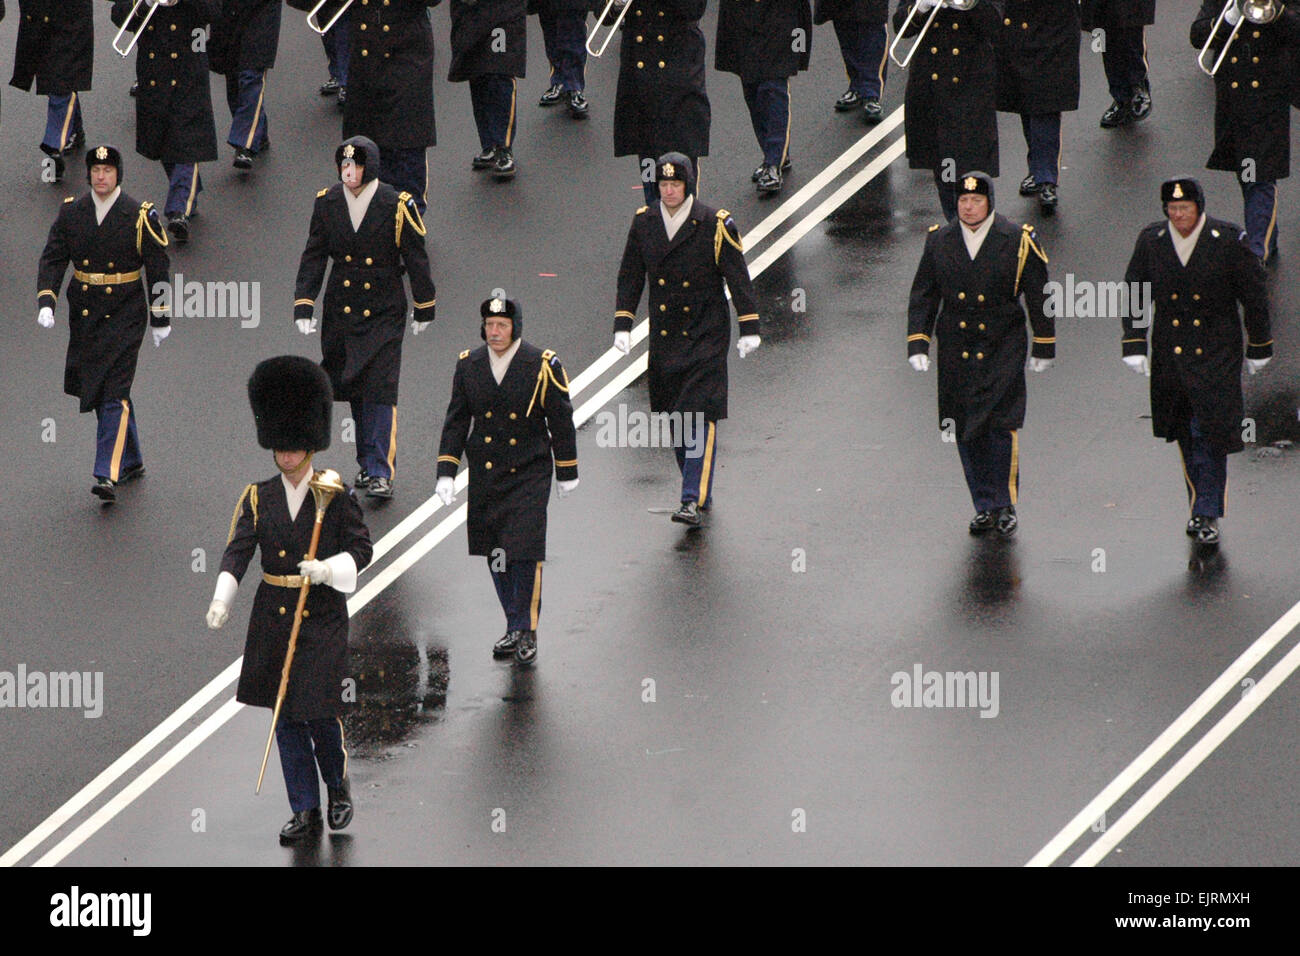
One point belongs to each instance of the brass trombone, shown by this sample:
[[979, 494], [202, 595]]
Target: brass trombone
[[1258, 12], [934, 12], [134, 31], [313, 18], [623, 7]]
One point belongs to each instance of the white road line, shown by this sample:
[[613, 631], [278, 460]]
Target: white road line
[[373, 587], [1223, 685], [1192, 759]]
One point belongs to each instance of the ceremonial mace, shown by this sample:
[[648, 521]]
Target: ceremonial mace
[[324, 486]]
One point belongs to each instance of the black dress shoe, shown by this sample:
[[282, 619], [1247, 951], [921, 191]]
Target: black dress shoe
[[1047, 199], [1118, 114], [330, 87], [577, 105], [982, 523], [848, 101], [379, 487], [77, 141], [1029, 186], [504, 167], [688, 514], [485, 159], [771, 181], [131, 474], [104, 489], [872, 111], [526, 650], [1141, 105], [179, 227], [362, 480], [340, 804], [243, 159], [757, 174], [1204, 529], [506, 644], [1007, 521], [552, 96], [304, 825]]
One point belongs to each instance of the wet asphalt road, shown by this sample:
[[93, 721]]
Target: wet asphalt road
[[836, 557]]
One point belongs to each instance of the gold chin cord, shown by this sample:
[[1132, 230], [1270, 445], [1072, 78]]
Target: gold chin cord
[[324, 486]]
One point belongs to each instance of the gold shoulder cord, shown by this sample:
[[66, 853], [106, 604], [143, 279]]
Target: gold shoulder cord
[[141, 224], [545, 376], [1026, 244], [722, 234], [404, 214], [250, 492]]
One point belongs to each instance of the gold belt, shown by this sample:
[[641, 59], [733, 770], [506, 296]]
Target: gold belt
[[105, 278], [285, 580]]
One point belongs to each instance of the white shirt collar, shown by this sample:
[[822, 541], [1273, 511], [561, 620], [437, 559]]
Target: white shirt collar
[[501, 363], [1185, 247], [296, 496], [974, 238], [676, 220], [102, 206], [357, 205]]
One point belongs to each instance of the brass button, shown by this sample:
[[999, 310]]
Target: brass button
[[961, 295], [934, 76], [980, 297], [282, 552], [1234, 59], [660, 38], [663, 308], [85, 288], [488, 415], [385, 27], [513, 470], [306, 613], [365, 53], [367, 285], [981, 326], [366, 313], [686, 308], [934, 49], [1196, 321], [661, 281], [639, 39], [1024, 26], [686, 285], [281, 610], [684, 332], [1178, 350], [85, 312], [1234, 84], [979, 355], [487, 465], [110, 265], [151, 55], [1006, 22], [1173, 296], [961, 325], [662, 65], [513, 442], [347, 310], [487, 439], [513, 416], [347, 283], [1254, 84], [955, 79], [108, 289], [1254, 59], [955, 51], [663, 331], [173, 27], [639, 64], [369, 261], [1198, 351], [1175, 323], [153, 82], [85, 262], [175, 55], [965, 355], [1196, 297], [347, 258]]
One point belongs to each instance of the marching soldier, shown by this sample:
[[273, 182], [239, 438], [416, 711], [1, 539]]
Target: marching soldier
[[489, 49], [765, 43], [243, 48], [977, 280], [510, 414], [173, 110], [564, 34], [661, 102], [56, 50], [371, 233], [1038, 77], [390, 92], [337, 41], [291, 401], [1252, 111], [1122, 25], [950, 119], [860, 28], [685, 250], [109, 239], [1198, 270]]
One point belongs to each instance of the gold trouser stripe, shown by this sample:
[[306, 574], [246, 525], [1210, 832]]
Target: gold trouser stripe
[[1272, 224], [284, 580], [706, 473], [1013, 479], [510, 124], [1188, 478], [537, 598], [1146, 62], [344, 745], [115, 465], [105, 278], [194, 185], [789, 109], [257, 113], [424, 193], [67, 121], [884, 61], [392, 446]]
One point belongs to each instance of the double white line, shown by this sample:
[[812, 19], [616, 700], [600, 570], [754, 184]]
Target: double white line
[[409, 525]]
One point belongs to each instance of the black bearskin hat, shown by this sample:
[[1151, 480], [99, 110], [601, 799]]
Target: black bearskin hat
[[292, 400]]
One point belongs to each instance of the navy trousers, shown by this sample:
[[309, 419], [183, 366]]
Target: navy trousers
[[992, 466], [336, 43], [246, 96], [564, 33], [769, 114], [62, 122], [376, 430], [493, 98], [863, 46], [519, 588], [1125, 61], [1206, 474], [183, 187], [695, 461], [304, 745], [406, 171], [117, 444], [1043, 136], [1260, 200]]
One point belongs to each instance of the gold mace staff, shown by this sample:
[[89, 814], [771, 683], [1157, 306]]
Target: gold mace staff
[[324, 486]]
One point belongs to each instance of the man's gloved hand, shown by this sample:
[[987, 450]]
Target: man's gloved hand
[[623, 341], [317, 572], [1138, 363], [159, 334], [45, 318], [1254, 365], [920, 361], [445, 489], [1040, 364], [218, 612], [306, 326], [418, 327], [566, 487], [747, 343]]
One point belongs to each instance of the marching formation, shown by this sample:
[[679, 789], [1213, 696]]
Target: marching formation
[[981, 278]]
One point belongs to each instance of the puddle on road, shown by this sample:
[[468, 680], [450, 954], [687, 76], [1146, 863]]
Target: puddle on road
[[400, 685]]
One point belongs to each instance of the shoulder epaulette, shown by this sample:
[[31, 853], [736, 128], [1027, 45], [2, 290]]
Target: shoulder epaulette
[[935, 228], [322, 192], [249, 495], [464, 353], [723, 234], [68, 199], [142, 223], [408, 212], [642, 209]]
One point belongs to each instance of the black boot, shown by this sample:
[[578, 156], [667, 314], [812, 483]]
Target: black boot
[[340, 804], [305, 825], [506, 644]]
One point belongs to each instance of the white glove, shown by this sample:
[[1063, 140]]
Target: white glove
[[446, 490], [159, 334], [418, 327], [317, 572], [622, 341], [747, 343], [920, 361], [1138, 363], [306, 326], [218, 611], [567, 486], [1232, 16], [46, 318], [1040, 364], [1254, 365]]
